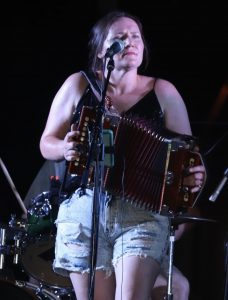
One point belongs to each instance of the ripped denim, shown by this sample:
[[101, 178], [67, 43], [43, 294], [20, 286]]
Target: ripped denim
[[123, 230]]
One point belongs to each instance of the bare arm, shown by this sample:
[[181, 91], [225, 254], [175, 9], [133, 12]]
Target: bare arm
[[177, 120], [176, 116], [55, 141]]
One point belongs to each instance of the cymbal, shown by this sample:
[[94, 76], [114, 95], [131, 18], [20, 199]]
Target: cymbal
[[175, 220]]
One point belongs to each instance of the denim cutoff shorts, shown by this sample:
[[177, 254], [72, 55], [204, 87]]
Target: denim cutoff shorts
[[124, 230]]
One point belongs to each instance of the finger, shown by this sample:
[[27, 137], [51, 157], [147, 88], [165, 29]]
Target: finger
[[199, 176], [197, 187], [71, 155], [197, 169], [71, 136], [73, 127]]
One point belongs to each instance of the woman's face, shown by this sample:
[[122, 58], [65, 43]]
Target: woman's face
[[127, 30]]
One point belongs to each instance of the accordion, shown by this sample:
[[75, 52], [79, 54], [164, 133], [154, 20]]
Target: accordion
[[150, 165]]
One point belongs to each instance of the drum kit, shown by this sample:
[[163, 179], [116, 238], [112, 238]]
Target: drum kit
[[27, 252]]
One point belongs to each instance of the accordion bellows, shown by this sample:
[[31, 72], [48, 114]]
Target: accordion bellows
[[150, 167]]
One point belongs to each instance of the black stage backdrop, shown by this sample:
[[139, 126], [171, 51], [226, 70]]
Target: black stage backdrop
[[44, 42]]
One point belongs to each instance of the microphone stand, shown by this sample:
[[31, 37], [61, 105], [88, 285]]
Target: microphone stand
[[97, 152]]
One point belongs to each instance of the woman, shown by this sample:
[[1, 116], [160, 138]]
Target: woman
[[132, 241]]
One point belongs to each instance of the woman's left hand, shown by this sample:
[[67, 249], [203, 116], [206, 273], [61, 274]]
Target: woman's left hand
[[195, 178]]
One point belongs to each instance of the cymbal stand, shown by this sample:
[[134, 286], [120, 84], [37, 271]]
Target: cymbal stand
[[172, 229], [174, 222], [226, 272]]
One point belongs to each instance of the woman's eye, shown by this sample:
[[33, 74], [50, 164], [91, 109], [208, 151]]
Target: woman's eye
[[117, 38]]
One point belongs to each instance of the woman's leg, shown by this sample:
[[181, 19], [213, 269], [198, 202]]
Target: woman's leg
[[135, 277], [104, 286], [180, 286]]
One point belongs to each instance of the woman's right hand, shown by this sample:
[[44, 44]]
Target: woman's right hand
[[71, 146]]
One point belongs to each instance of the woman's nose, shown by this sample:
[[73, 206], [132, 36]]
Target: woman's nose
[[128, 42]]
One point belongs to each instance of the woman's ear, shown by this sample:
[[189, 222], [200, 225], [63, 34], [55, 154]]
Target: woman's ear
[[103, 51], [101, 54]]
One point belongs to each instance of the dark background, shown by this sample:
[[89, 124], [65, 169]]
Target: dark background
[[44, 42]]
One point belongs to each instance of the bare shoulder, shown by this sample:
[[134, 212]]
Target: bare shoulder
[[165, 91], [168, 95], [161, 85], [146, 83], [172, 105], [75, 80], [72, 89], [165, 88]]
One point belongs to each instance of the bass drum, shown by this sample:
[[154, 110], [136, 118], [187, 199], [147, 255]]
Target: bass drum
[[37, 261], [24, 290]]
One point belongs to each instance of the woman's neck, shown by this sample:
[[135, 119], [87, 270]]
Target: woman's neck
[[126, 83]]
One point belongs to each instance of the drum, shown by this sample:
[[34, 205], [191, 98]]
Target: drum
[[24, 290], [37, 261], [40, 225]]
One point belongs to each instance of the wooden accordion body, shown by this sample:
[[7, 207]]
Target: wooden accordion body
[[149, 166]]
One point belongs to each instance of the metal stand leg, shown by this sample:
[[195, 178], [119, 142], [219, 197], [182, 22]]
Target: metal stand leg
[[226, 272], [171, 253]]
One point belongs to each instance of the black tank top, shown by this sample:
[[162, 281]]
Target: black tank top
[[147, 108]]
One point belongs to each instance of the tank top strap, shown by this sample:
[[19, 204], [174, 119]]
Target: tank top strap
[[93, 82]]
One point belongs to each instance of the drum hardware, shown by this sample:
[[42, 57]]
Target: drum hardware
[[38, 288], [15, 223], [9, 249], [40, 205], [12, 241], [2, 249], [64, 294], [17, 289], [17, 249]]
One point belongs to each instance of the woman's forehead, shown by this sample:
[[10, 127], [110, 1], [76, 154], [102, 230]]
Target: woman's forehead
[[122, 25]]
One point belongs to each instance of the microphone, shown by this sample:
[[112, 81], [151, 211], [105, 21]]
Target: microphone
[[116, 47], [214, 196]]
